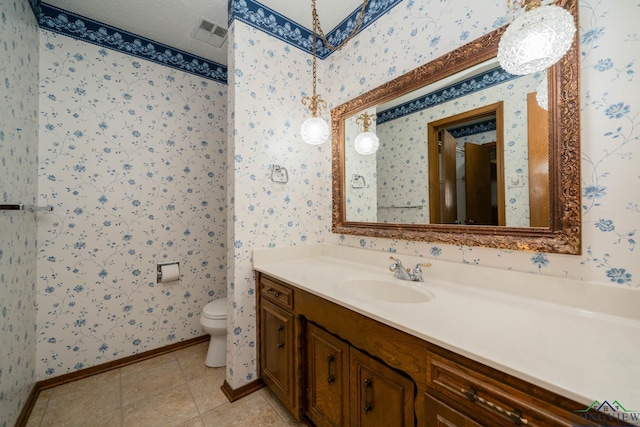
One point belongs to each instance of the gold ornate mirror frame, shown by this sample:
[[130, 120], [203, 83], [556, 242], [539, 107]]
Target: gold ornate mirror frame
[[564, 232]]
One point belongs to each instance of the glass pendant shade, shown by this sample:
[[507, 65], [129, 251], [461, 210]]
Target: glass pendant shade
[[536, 40], [315, 131], [366, 143]]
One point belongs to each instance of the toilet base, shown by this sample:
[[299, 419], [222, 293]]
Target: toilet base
[[217, 353]]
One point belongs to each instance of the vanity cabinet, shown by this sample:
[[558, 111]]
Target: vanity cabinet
[[332, 366], [442, 415], [348, 387], [327, 378], [277, 351], [488, 396], [379, 395]]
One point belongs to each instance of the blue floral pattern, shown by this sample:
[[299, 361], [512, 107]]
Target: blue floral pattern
[[478, 83], [404, 146], [70, 24], [276, 25], [132, 157], [266, 129], [19, 163], [475, 129]]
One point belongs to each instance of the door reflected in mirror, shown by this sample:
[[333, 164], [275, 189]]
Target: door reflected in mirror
[[407, 183], [466, 171]]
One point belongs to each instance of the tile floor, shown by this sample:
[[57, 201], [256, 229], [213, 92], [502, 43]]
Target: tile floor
[[174, 389]]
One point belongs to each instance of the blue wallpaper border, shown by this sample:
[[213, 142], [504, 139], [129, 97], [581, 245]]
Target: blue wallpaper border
[[85, 29], [35, 7], [250, 12], [273, 23], [474, 129], [477, 83]]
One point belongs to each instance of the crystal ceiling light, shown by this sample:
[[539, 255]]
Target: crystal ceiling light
[[366, 142], [536, 39], [315, 130]]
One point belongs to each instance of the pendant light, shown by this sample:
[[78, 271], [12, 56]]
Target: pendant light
[[536, 39], [315, 130]]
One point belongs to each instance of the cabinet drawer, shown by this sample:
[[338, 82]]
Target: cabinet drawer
[[485, 397], [276, 292], [441, 415]]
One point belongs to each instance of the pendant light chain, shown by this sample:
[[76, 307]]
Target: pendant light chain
[[315, 48], [316, 25], [315, 130], [316, 103]]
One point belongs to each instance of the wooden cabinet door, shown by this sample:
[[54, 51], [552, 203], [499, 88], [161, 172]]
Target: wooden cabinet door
[[327, 361], [442, 415], [277, 352], [477, 167], [380, 396], [538, 144]]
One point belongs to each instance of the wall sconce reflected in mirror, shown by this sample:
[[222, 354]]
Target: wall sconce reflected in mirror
[[537, 38], [366, 142]]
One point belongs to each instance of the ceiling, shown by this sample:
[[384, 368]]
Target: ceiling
[[172, 22]]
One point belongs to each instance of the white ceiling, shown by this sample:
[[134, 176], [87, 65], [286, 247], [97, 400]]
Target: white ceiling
[[172, 22]]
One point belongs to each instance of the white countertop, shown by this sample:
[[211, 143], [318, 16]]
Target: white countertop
[[577, 339]]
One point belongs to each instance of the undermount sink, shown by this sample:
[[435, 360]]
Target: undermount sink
[[384, 289]]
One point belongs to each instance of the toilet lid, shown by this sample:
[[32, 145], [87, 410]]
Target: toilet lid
[[216, 309]]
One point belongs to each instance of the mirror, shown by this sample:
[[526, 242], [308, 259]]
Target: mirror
[[466, 168], [431, 122]]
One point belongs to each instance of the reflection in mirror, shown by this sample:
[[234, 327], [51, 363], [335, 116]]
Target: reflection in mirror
[[391, 196], [399, 188], [466, 168]]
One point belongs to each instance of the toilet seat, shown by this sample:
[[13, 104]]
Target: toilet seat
[[216, 310]]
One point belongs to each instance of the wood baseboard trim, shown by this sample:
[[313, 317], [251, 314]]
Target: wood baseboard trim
[[241, 392], [98, 369], [28, 407], [119, 363]]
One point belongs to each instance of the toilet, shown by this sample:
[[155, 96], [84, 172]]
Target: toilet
[[214, 321]]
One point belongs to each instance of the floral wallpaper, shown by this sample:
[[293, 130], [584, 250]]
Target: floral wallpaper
[[265, 114], [18, 184], [403, 185], [417, 31], [402, 159], [146, 164], [64, 22], [133, 160], [361, 171], [268, 115], [276, 24]]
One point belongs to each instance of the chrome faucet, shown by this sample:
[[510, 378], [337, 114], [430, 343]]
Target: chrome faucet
[[403, 273]]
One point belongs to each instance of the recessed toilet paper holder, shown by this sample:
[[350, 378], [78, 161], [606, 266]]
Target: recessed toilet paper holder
[[165, 270]]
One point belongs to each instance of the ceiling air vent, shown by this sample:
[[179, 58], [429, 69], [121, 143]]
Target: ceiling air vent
[[210, 33]]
